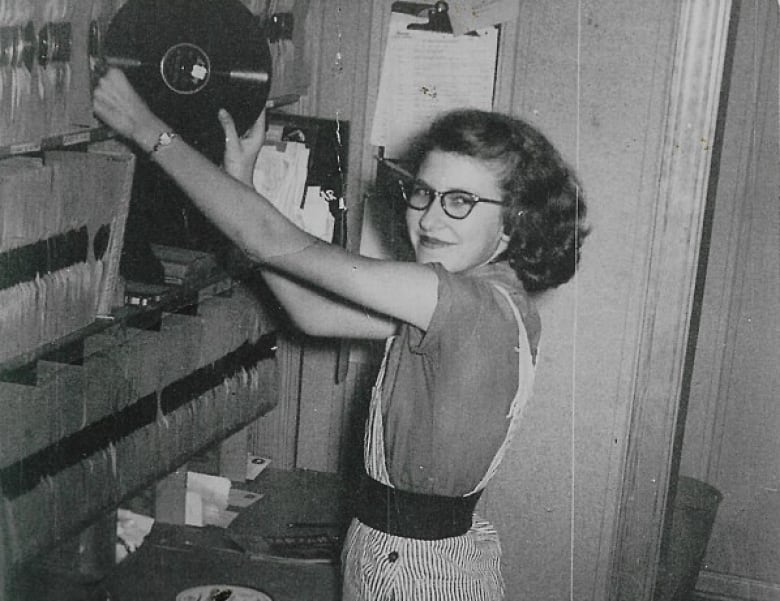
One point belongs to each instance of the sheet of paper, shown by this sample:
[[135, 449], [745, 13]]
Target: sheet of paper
[[317, 219], [469, 15], [280, 175], [242, 498], [132, 528], [425, 73], [193, 509], [213, 489]]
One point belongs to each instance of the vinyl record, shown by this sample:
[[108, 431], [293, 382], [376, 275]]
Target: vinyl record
[[188, 58]]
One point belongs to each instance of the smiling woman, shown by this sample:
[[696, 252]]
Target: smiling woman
[[461, 329]]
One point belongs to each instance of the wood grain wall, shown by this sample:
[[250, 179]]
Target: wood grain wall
[[731, 435]]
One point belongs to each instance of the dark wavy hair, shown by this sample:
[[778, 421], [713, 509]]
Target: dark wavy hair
[[545, 211]]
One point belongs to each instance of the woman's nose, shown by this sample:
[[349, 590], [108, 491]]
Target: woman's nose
[[434, 216]]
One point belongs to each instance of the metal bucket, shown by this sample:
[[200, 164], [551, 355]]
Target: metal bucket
[[695, 506]]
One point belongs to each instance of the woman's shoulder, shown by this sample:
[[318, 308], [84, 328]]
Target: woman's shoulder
[[501, 276]]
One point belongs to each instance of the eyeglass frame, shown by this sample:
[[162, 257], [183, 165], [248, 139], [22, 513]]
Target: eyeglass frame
[[432, 193]]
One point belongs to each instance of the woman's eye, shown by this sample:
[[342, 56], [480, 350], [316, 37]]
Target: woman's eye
[[458, 199], [418, 190]]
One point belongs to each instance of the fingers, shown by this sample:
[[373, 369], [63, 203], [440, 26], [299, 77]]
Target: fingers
[[228, 125], [117, 104], [103, 102], [114, 82], [114, 89], [257, 131]]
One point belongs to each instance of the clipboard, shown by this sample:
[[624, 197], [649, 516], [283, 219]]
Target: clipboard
[[437, 15], [426, 70]]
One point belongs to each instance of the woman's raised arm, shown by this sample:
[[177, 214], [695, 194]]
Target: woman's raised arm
[[398, 290]]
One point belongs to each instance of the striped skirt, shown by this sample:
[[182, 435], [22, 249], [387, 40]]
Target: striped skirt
[[381, 567]]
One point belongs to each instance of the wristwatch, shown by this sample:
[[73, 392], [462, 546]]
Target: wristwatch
[[163, 140]]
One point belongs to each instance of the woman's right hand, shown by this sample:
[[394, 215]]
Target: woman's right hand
[[241, 151], [119, 106]]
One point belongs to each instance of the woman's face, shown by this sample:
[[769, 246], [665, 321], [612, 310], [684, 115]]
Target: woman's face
[[458, 244]]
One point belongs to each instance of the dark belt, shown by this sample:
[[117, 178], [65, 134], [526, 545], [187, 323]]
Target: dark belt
[[413, 515]]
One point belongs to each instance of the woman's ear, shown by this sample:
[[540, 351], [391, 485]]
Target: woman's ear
[[503, 244]]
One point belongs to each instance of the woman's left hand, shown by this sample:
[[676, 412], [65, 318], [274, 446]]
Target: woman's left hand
[[241, 151], [119, 106]]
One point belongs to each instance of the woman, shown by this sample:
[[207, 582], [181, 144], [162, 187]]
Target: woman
[[493, 214]]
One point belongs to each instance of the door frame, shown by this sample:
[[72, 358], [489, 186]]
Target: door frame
[[686, 155]]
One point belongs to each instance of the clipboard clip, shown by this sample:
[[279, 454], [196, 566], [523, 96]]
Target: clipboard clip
[[438, 15]]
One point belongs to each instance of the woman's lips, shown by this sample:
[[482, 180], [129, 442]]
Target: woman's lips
[[429, 242]]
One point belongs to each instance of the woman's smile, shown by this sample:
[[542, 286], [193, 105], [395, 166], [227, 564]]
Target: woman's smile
[[433, 242]]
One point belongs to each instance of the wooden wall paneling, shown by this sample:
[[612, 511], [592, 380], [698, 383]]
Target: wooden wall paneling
[[275, 435], [321, 407], [594, 78], [340, 35], [233, 456], [685, 167]]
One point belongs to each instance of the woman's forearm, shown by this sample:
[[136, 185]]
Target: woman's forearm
[[318, 313]]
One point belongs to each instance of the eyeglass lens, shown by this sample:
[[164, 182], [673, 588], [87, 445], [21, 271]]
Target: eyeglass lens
[[456, 203]]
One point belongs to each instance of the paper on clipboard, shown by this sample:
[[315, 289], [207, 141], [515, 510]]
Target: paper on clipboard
[[467, 15], [425, 73]]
